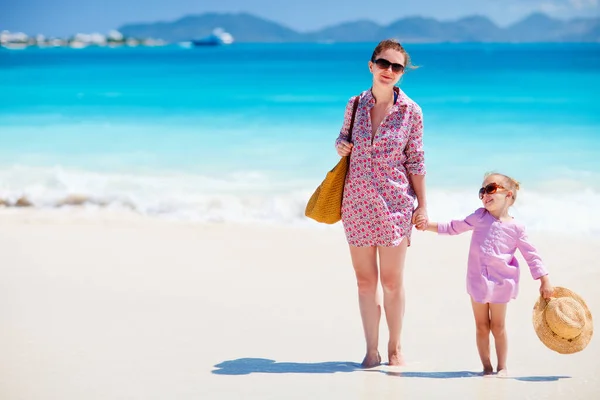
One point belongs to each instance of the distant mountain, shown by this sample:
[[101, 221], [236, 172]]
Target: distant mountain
[[417, 29], [244, 28], [538, 27], [357, 31], [478, 29], [249, 28]]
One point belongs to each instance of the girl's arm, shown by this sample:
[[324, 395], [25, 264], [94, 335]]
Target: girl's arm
[[432, 227], [454, 227], [457, 226], [536, 267], [530, 254]]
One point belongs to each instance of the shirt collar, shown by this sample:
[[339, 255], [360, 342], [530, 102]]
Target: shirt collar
[[400, 101]]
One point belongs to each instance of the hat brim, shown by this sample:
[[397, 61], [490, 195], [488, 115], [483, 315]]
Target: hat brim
[[551, 339]]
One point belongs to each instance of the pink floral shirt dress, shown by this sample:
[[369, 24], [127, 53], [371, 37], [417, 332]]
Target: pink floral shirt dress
[[378, 200]]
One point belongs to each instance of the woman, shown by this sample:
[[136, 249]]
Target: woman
[[386, 173]]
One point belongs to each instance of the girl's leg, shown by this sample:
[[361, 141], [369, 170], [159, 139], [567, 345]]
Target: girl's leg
[[498, 317], [482, 325], [364, 260], [391, 264]]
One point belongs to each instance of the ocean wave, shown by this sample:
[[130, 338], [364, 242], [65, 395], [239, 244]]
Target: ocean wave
[[254, 197], [241, 196]]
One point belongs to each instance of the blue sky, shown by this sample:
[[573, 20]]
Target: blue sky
[[65, 17]]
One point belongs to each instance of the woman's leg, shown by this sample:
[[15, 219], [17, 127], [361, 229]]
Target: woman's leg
[[391, 264], [482, 324], [364, 260], [497, 326]]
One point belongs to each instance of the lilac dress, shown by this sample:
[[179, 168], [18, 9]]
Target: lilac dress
[[493, 270], [378, 200]]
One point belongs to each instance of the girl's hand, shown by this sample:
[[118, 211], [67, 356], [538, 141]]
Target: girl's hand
[[420, 218], [546, 288], [344, 148], [419, 221]]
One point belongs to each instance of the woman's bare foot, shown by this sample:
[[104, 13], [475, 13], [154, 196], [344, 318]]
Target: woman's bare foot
[[395, 358], [488, 370], [371, 360]]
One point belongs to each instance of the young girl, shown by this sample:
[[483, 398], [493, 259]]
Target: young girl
[[493, 270]]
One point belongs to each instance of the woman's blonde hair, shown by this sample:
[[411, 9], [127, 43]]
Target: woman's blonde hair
[[510, 183]]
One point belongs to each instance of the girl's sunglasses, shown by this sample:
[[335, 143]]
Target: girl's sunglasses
[[385, 64], [489, 189]]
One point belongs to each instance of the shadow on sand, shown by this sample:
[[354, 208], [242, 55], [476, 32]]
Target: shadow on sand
[[468, 374], [537, 378], [433, 374], [246, 366]]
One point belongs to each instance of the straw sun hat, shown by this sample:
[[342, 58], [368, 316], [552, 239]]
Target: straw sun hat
[[564, 323]]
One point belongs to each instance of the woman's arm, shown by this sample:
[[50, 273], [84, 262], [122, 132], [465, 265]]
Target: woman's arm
[[415, 165], [415, 156], [418, 184], [420, 217], [345, 131]]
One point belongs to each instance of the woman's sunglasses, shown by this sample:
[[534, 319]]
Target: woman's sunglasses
[[489, 189], [385, 64]]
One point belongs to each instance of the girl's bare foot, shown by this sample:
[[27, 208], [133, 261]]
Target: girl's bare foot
[[488, 370], [371, 360], [395, 358]]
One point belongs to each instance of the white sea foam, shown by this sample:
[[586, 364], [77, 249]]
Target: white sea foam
[[254, 197], [564, 212]]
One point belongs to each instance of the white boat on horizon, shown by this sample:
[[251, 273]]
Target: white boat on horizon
[[216, 38]]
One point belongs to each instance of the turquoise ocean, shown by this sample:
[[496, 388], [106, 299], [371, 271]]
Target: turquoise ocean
[[244, 133]]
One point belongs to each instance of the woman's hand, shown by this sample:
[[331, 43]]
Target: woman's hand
[[420, 218], [344, 148]]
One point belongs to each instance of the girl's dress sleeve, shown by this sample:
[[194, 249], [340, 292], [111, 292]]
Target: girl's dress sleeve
[[346, 125], [456, 227], [415, 156], [530, 254]]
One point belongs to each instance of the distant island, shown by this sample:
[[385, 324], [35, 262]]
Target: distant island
[[247, 28], [19, 40]]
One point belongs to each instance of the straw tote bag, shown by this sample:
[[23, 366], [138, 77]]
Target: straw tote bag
[[325, 204]]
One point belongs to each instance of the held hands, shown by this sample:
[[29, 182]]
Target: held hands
[[546, 288], [420, 219], [344, 148]]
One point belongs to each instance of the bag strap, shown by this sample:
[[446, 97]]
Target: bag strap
[[355, 106]]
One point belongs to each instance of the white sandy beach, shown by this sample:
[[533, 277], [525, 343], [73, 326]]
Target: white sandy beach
[[126, 307]]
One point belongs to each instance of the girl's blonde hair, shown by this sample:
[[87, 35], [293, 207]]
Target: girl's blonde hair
[[511, 183]]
